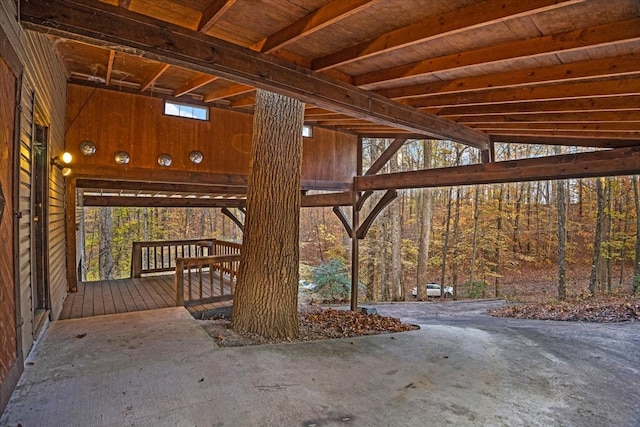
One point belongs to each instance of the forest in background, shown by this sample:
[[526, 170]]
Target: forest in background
[[487, 240]]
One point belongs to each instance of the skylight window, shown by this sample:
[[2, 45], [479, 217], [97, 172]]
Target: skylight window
[[186, 110]]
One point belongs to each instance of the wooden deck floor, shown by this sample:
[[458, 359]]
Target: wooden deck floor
[[127, 295]]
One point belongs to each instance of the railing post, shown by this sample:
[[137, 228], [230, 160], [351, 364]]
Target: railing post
[[179, 282], [136, 260]]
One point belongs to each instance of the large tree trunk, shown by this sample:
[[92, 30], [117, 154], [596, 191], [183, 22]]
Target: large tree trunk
[[425, 229], [266, 296]]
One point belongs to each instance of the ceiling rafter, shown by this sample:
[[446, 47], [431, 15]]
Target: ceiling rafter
[[606, 103], [212, 13], [154, 76], [104, 25], [236, 89], [583, 38], [579, 117], [574, 71], [194, 84], [327, 15], [574, 127], [473, 16], [560, 91], [628, 135], [112, 57]]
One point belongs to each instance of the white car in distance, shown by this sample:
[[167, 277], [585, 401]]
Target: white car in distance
[[433, 291]]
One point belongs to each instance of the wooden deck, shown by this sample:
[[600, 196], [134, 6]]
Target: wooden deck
[[127, 295]]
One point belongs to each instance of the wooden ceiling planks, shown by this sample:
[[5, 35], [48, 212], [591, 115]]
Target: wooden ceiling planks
[[521, 58]]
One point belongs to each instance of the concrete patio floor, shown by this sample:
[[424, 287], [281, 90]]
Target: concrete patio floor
[[159, 368]]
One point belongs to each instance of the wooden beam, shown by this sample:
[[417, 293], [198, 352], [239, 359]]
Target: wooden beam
[[343, 219], [574, 127], [326, 199], [589, 89], [555, 140], [579, 39], [151, 78], [388, 153], [581, 117], [609, 103], [619, 161], [193, 85], [327, 15], [233, 218], [388, 197], [596, 68], [456, 21], [212, 13], [112, 57], [243, 102], [126, 173], [104, 25], [165, 202], [571, 134], [119, 185], [227, 91]]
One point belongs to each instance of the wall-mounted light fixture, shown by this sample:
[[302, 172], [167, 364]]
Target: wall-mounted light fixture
[[88, 148], [61, 161], [165, 160], [196, 157], [122, 157]]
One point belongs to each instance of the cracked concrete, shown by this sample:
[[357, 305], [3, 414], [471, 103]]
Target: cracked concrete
[[462, 368]]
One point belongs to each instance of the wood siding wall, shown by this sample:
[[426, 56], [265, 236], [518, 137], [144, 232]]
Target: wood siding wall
[[117, 121], [46, 78], [25, 196], [10, 360]]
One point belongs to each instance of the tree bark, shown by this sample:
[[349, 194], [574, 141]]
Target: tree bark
[[266, 296], [395, 213], [562, 234], [596, 261], [425, 229], [105, 258], [636, 259]]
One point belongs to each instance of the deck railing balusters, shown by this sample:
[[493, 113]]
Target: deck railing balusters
[[227, 266], [144, 255]]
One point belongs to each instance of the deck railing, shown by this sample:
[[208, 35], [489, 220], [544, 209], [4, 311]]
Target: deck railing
[[161, 256], [203, 280]]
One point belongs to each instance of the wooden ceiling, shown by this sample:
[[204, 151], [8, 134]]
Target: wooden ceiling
[[535, 71]]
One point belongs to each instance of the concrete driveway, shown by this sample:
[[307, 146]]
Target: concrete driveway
[[462, 368]]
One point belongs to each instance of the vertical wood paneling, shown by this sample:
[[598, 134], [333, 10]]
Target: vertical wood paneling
[[134, 123], [8, 332]]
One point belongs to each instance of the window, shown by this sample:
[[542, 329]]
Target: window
[[307, 131], [185, 110]]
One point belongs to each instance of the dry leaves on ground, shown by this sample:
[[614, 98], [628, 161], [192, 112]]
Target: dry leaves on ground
[[315, 324], [613, 309]]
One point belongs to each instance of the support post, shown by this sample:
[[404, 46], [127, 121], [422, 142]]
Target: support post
[[70, 228], [355, 258]]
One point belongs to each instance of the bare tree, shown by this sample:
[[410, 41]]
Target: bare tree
[[425, 229]]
